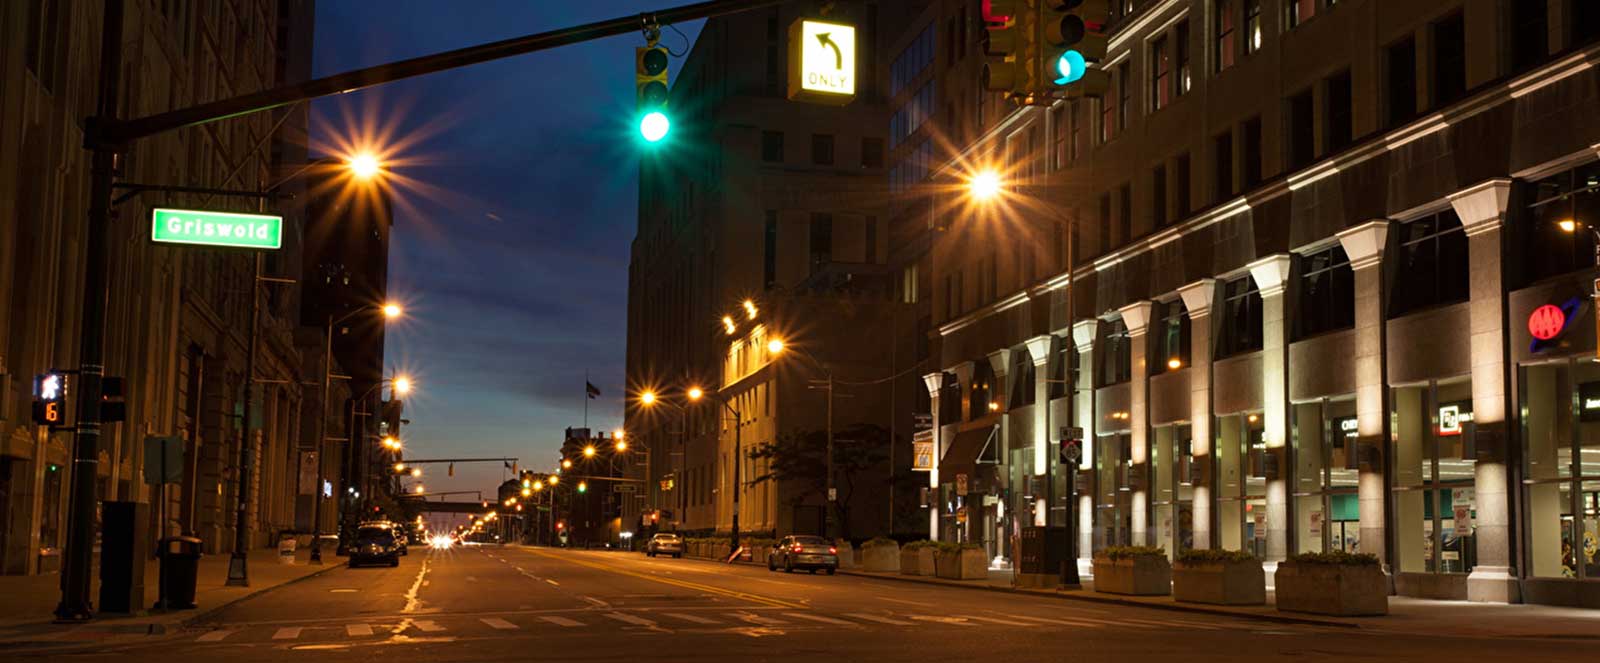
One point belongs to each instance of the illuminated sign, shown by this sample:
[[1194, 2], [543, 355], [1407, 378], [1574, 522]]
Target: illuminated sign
[[1546, 322], [922, 451], [217, 229], [1450, 419], [824, 71], [49, 399]]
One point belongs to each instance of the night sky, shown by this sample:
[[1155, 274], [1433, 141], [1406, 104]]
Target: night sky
[[517, 186]]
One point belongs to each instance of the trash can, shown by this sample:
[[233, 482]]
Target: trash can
[[286, 547], [180, 566]]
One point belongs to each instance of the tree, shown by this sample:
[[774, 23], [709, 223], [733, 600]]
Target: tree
[[800, 459]]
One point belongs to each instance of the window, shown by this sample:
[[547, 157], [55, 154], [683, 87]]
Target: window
[[1561, 482], [1114, 354], [775, 80], [1301, 130], [1339, 114], [1180, 185], [1241, 323], [1250, 145], [821, 239], [1124, 214], [1222, 171], [909, 286], [1108, 117], [1063, 367], [1433, 258], [1171, 336], [1124, 92], [1158, 196], [1400, 71], [1324, 480], [1252, 26], [1160, 73], [1223, 34], [1583, 22], [822, 149], [911, 62], [1105, 222], [1301, 11], [1327, 292], [1058, 124], [1073, 124], [1432, 478], [772, 146], [1022, 378], [949, 400], [981, 391], [1530, 34], [950, 39], [872, 153], [770, 264], [1569, 195], [1185, 74], [1449, 59], [912, 114]]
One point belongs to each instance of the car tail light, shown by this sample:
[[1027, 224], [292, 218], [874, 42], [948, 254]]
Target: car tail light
[[833, 550], [795, 549]]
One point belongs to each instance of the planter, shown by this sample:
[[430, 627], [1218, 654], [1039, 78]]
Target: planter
[[1332, 589], [967, 564], [759, 554], [848, 558], [1142, 575], [916, 562], [883, 558], [1220, 583]]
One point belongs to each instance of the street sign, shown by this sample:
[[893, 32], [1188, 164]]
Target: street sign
[[163, 459], [1071, 451], [625, 488], [824, 71], [961, 515], [961, 485], [922, 451], [1071, 432], [216, 229]]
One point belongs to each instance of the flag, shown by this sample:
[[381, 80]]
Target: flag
[[593, 391]]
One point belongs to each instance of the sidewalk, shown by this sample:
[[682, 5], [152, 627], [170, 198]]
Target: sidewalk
[[26, 613], [1406, 614]]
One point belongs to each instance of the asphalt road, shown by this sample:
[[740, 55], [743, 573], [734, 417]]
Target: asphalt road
[[500, 603]]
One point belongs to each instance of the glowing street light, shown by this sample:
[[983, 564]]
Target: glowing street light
[[654, 126], [566, 463], [727, 325], [399, 467], [750, 309], [416, 471], [984, 185], [527, 492], [364, 165], [775, 346], [695, 393], [622, 445], [402, 385], [392, 310], [555, 480], [588, 452], [420, 489], [648, 398], [538, 485]]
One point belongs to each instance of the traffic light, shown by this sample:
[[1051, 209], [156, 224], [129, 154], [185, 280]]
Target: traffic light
[[650, 82], [1073, 38], [583, 486], [1005, 64], [50, 399]]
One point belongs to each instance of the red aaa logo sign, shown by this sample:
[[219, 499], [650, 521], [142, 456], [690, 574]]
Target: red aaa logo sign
[[1546, 322]]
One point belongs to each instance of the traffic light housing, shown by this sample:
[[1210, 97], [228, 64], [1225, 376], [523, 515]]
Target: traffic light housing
[[1072, 38], [50, 399], [650, 84], [113, 400], [1005, 63]]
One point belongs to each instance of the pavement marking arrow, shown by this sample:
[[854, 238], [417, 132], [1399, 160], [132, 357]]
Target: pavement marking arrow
[[827, 42]]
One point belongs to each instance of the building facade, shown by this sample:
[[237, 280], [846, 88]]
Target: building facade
[[1323, 291]]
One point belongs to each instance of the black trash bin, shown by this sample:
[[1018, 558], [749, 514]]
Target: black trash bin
[[180, 566]]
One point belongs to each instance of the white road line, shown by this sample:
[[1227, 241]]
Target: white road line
[[877, 618], [358, 630], [925, 605], [758, 619], [950, 620], [552, 582], [499, 623], [691, 618], [287, 633], [427, 626], [412, 602], [630, 619], [1169, 624], [818, 618], [560, 621], [213, 636], [992, 620], [1064, 622]]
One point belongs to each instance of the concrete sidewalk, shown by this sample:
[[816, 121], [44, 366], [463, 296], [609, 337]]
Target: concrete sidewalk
[[26, 614]]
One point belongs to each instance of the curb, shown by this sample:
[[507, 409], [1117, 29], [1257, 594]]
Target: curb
[[1068, 596], [199, 616]]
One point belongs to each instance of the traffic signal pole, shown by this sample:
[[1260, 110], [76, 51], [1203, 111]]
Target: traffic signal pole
[[108, 138]]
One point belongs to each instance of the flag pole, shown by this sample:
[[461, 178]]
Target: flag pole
[[586, 398]]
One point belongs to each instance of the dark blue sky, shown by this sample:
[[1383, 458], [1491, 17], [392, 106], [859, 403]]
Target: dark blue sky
[[510, 248]]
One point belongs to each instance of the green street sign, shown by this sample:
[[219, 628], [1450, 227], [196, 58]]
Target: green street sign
[[222, 229]]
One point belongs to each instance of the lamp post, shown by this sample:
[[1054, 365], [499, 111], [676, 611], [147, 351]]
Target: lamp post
[[400, 385], [650, 399], [775, 347], [695, 394]]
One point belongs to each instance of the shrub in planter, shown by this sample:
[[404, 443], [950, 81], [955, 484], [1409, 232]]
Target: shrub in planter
[[961, 561], [916, 558], [881, 554], [1332, 583], [1133, 570], [1222, 577]]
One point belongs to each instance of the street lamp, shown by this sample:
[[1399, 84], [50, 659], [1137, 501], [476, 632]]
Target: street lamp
[[984, 185], [364, 166], [695, 394]]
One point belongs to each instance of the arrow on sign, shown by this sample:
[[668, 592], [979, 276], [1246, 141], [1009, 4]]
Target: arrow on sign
[[838, 56]]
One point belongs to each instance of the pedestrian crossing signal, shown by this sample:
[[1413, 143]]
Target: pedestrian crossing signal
[[50, 399]]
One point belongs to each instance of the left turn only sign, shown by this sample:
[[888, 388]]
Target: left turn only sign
[[822, 65]]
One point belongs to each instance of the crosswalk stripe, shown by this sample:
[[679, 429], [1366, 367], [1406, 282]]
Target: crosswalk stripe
[[952, 620], [499, 623], [630, 619], [358, 630], [214, 636], [876, 618], [1170, 624], [993, 620], [1063, 622], [691, 618], [427, 626], [758, 619], [560, 621], [287, 633], [818, 618]]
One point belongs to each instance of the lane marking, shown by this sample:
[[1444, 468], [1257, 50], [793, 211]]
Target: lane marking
[[560, 621], [951, 621], [427, 626], [499, 623], [358, 630], [876, 618], [754, 598], [552, 582], [630, 619], [819, 618], [287, 633], [758, 619], [343, 591], [412, 602], [994, 620], [1167, 624], [213, 636], [1062, 622], [691, 618], [595, 602], [918, 603]]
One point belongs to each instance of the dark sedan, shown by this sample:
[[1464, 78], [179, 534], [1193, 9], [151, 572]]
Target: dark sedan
[[811, 553], [375, 544]]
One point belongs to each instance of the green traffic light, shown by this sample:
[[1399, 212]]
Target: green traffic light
[[654, 126]]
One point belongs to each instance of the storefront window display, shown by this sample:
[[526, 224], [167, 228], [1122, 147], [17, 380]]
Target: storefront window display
[[1326, 514], [1172, 493], [1561, 467], [1434, 477], [1113, 520], [1241, 483]]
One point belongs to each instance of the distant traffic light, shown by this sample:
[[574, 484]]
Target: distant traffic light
[[1072, 40], [650, 83], [583, 486]]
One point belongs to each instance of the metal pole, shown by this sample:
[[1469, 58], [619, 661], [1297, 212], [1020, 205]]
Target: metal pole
[[238, 565], [1069, 566], [78, 555], [738, 422], [322, 434], [833, 504]]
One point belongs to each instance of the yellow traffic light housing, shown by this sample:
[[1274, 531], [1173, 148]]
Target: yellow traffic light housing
[[650, 85]]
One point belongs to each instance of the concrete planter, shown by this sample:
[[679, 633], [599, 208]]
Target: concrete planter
[[1332, 589], [1220, 583], [961, 565], [916, 562], [883, 558], [759, 554], [721, 550], [1144, 575], [848, 558]]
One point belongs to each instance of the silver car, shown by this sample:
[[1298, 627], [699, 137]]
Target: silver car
[[664, 543], [811, 553]]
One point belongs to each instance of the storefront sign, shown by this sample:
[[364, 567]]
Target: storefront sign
[[922, 451], [1589, 401], [1546, 322], [1451, 417], [1348, 426], [824, 69], [218, 229]]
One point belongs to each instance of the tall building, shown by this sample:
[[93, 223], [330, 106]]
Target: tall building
[[754, 197], [1332, 282]]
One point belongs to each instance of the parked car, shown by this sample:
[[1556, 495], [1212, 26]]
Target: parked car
[[803, 552], [665, 543], [374, 543]]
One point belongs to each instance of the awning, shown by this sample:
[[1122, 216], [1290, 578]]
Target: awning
[[970, 448]]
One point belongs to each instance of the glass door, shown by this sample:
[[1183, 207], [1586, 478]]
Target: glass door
[[1324, 484], [1172, 495]]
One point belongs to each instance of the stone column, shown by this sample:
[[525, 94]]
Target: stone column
[[935, 383], [1083, 335], [1039, 352], [1482, 209], [1197, 298], [1364, 245], [1137, 318], [1271, 275]]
